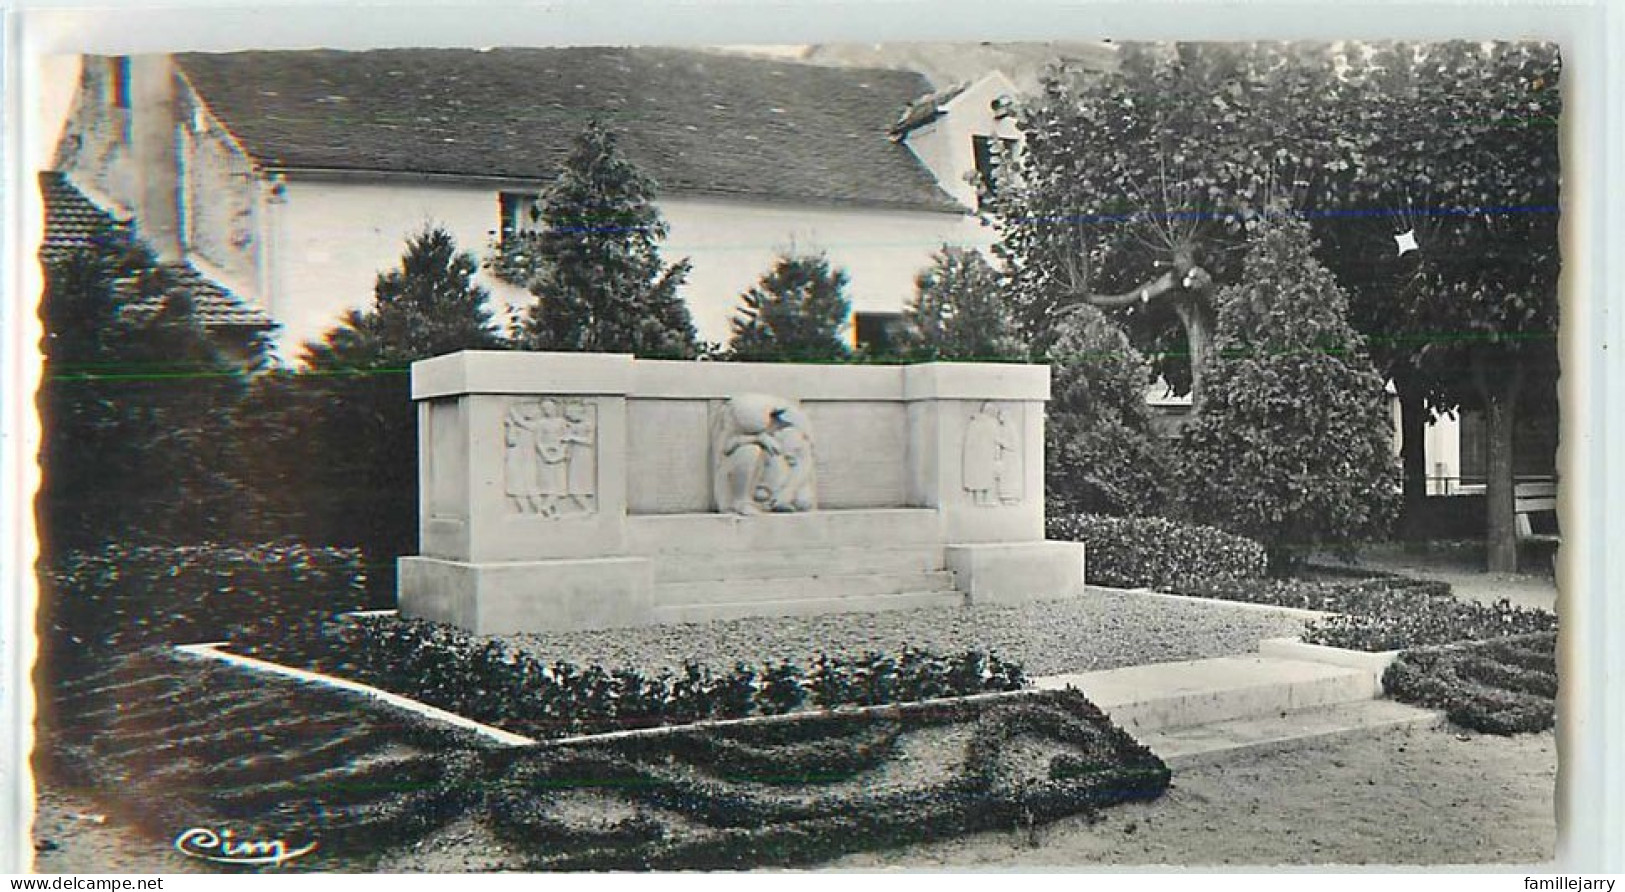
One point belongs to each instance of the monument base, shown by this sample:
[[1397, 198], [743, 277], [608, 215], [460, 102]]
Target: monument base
[[529, 596], [1015, 572]]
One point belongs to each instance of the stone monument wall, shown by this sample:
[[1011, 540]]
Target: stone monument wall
[[569, 491]]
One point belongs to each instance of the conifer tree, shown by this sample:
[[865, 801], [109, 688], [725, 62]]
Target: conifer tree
[[360, 452], [594, 265], [795, 312], [959, 312]]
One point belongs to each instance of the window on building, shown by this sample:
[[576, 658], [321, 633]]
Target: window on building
[[119, 76], [989, 150], [879, 333], [521, 214]]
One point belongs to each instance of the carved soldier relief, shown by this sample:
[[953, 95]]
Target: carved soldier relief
[[992, 457], [762, 449], [550, 462]]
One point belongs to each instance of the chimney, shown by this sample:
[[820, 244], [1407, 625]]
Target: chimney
[[154, 114]]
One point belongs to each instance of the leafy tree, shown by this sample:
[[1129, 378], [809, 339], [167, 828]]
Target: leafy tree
[[594, 265], [1463, 156], [1101, 455], [959, 312], [1139, 186], [135, 406], [360, 425], [1293, 445], [795, 312]]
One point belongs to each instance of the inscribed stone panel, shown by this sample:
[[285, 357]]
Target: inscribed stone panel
[[668, 457], [862, 453]]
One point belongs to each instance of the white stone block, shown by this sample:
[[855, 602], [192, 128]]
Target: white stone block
[[1013, 572]]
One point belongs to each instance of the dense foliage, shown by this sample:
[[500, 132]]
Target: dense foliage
[[491, 681], [1424, 622], [136, 405], [594, 261], [1138, 552], [1100, 453], [960, 312], [1293, 443], [1502, 686], [117, 598], [349, 441], [795, 312]]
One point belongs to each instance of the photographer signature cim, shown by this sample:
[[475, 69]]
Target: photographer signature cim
[[222, 847]]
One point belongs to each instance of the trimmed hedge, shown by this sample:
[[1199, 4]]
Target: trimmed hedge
[[1135, 552], [1358, 596], [1504, 686], [214, 745], [120, 598], [1425, 622], [490, 681]]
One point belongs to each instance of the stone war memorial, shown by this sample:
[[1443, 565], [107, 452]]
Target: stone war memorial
[[567, 491]]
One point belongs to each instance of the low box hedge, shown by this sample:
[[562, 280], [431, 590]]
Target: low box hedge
[[1504, 686], [1425, 622], [120, 598], [490, 681], [1155, 552]]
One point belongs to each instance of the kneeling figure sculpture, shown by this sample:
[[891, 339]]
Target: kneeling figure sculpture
[[763, 452]]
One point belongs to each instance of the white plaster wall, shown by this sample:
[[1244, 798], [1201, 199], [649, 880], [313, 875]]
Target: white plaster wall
[[331, 239], [733, 243]]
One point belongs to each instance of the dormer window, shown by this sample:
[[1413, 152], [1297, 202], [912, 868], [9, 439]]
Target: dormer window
[[990, 152]]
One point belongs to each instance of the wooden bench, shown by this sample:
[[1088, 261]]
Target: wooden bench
[[1530, 500]]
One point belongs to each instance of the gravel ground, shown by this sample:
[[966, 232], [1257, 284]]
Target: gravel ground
[[1101, 629]]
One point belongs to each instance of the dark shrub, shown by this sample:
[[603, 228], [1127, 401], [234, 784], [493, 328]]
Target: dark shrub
[[1502, 686], [1423, 622], [1131, 552]]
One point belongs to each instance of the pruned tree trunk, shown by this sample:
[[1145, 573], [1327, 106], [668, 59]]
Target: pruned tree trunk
[[1500, 416], [1412, 449], [1188, 285], [1197, 318]]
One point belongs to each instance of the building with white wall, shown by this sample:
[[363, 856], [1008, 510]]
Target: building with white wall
[[291, 179]]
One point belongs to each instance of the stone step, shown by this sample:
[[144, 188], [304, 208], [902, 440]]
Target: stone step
[[839, 561], [662, 534], [1199, 692], [1201, 744], [732, 591], [699, 613]]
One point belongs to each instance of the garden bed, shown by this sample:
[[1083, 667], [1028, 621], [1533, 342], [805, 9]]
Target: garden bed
[[1503, 686], [212, 745]]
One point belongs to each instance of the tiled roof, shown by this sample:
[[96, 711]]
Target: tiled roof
[[696, 122], [73, 221]]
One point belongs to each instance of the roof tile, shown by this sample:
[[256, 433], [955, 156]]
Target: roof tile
[[695, 121]]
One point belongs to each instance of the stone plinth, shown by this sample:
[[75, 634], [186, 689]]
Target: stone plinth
[[579, 491]]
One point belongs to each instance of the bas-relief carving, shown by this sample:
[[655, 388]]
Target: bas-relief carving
[[550, 465], [763, 452], [992, 457]]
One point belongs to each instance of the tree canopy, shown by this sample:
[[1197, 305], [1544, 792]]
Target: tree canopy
[[795, 312], [594, 265], [959, 310]]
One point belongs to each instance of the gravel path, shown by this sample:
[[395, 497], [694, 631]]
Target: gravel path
[[1101, 629]]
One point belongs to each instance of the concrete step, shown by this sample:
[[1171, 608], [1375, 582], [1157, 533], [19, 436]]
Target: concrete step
[[699, 613], [1201, 744], [725, 591], [663, 534], [840, 561], [1200, 692]]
